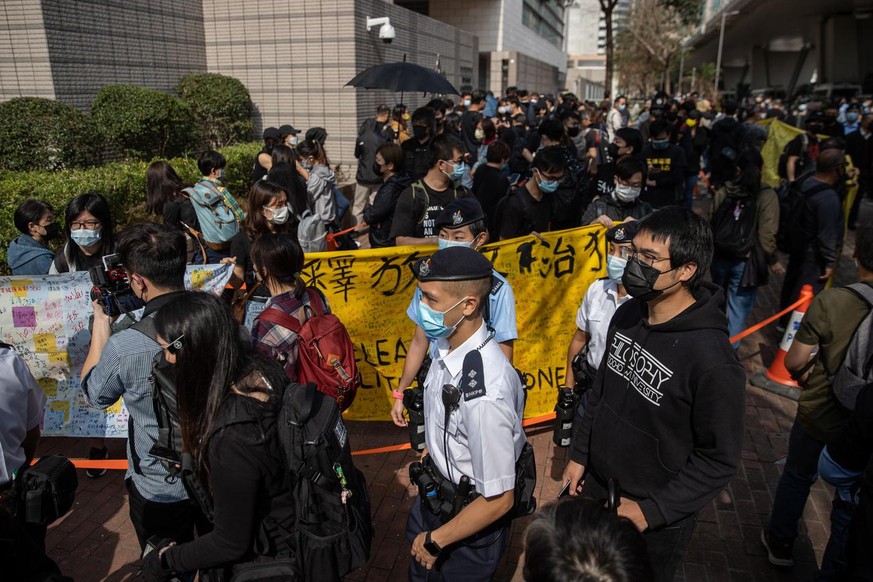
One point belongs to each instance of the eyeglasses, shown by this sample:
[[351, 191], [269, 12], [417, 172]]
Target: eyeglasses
[[174, 346], [646, 259], [87, 225]]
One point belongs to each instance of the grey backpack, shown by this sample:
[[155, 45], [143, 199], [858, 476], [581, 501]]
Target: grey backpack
[[312, 233], [856, 371]]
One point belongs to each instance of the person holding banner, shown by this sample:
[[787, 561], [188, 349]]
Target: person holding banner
[[461, 224], [29, 254]]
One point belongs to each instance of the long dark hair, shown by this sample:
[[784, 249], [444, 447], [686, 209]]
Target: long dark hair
[[262, 194], [281, 258], [287, 176], [210, 362], [97, 205], [162, 184], [315, 149], [749, 165]]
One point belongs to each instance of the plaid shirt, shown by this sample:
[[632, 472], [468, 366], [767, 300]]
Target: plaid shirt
[[226, 198], [276, 341]]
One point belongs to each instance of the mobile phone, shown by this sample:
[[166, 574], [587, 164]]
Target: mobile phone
[[565, 491], [165, 454]]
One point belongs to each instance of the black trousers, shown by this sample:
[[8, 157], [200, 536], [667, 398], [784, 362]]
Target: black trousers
[[666, 545], [803, 269], [475, 561], [176, 521]]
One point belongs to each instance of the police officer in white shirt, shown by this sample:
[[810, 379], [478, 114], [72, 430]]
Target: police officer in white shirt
[[601, 300], [473, 404]]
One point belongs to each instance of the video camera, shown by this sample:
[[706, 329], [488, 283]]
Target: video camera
[[112, 288]]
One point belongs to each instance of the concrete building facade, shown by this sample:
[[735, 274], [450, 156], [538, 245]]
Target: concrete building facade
[[294, 57], [520, 41], [782, 45]]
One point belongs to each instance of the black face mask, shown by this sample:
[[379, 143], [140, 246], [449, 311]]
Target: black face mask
[[377, 169], [51, 231], [612, 150], [419, 132], [639, 280], [573, 131]]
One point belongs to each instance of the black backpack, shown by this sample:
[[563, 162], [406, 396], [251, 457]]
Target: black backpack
[[500, 210], [734, 227], [333, 529], [163, 383], [792, 205]]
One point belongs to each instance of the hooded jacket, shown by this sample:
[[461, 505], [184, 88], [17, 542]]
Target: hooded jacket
[[665, 416], [371, 135], [27, 257]]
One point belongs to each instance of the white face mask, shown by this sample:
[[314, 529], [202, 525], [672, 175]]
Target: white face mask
[[279, 215], [624, 193]]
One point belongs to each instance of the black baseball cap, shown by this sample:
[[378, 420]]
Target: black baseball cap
[[272, 133], [453, 264], [288, 130], [460, 212]]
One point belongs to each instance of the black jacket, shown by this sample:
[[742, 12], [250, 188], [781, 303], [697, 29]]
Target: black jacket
[[371, 135], [380, 215], [249, 483], [665, 416]]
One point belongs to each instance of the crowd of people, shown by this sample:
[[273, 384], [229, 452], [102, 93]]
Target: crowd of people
[[660, 389]]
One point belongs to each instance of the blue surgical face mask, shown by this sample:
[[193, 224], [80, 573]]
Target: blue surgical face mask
[[660, 144], [622, 107], [433, 321], [548, 186], [445, 243], [852, 116], [467, 102], [457, 171], [305, 165], [615, 267], [84, 237]]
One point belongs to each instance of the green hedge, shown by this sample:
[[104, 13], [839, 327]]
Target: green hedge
[[143, 123], [122, 183], [222, 107], [42, 134]]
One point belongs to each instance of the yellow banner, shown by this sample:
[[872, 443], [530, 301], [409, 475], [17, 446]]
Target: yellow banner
[[371, 290]]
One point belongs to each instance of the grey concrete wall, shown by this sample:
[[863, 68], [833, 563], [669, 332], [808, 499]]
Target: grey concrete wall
[[25, 68], [92, 43]]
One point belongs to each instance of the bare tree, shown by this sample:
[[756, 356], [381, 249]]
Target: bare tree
[[654, 36], [608, 7]]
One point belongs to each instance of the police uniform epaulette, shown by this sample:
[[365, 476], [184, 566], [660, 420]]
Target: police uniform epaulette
[[496, 285], [472, 383]]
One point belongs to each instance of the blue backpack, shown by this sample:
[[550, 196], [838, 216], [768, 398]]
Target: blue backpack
[[217, 223]]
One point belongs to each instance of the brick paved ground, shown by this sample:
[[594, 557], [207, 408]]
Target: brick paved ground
[[96, 541]]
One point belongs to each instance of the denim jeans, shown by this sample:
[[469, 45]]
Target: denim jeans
[[801, 471], [728, 274], [690, 183]]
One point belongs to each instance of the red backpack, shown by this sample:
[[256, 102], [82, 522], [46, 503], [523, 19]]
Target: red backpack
[[326, 356]]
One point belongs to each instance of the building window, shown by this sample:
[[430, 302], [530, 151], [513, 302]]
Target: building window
[[544, 22]]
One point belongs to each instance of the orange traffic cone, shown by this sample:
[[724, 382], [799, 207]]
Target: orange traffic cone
[[776, 378]]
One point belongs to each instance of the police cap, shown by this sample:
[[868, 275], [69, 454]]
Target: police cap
[[453, 264], [460, 212], [623, 233]]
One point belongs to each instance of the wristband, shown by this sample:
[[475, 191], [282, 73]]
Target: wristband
[[397, 394]]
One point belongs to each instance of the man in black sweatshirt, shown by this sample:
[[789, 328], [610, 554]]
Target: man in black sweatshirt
[[665, 416]]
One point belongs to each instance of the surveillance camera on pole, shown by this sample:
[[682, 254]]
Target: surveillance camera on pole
[[386, 31]]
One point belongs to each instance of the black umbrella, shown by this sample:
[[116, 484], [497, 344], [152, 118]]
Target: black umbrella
[[403, 77]]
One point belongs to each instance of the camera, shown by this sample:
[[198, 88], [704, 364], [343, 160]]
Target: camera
[[387, 34], [112, 288]]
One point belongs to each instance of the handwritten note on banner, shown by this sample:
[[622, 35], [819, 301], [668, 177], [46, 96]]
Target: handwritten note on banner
[[46, 319], [370, 291]]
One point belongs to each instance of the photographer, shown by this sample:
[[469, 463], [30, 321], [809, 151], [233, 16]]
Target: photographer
[[228, 419], [121, 365]]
